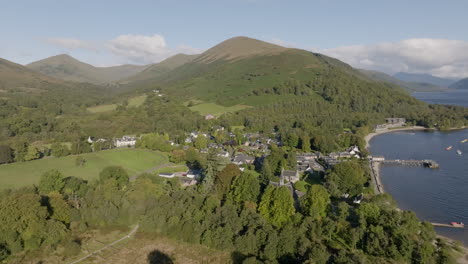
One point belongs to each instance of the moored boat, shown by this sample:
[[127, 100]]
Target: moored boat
[[449, 148], [459, 152], [457, 224], [463, 141]]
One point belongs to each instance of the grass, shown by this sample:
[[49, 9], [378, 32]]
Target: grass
[[215, 109], [27, 173], [175, 168], [132, 102], [136, 101], [102, 108]]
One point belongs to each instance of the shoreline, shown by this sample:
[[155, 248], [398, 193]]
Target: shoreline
[[375, 166], [462, 257], [369, 136]]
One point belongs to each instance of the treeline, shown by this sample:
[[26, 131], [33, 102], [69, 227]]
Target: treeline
[[230, 210]]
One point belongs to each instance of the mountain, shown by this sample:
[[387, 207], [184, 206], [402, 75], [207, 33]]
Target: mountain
[[68, 68], [410, 86], [461, 84], [238, 66], [155, 70], [17, 77], [423, 78]]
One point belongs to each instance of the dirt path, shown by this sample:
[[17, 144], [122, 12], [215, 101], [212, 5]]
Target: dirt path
[[133, 231]]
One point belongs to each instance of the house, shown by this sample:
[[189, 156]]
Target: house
[[391, 123], [193, 174], [290, 175], [358, 199], [167, 175], [125, 141], [90, 140], [224, 154], [242, 158], [209, 117]]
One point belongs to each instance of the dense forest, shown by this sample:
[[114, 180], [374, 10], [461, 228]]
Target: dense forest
[[230, 210]]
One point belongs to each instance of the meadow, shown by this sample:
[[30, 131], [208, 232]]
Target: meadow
[[132, 102], [135, 161], [217, 110]]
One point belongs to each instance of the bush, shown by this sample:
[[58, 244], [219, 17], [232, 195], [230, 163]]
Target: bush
[[71, 248], [301, 186]]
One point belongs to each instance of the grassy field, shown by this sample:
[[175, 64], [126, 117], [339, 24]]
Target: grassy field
[[132, 102], [27, 173], [136, 101], [215, 109]]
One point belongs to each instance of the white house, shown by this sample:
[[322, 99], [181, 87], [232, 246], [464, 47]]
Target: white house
[[125, 141]]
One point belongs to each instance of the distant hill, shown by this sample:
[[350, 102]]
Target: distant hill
[[68, 68], [423, 78], [461, 84], [410, 86], [155, 70]]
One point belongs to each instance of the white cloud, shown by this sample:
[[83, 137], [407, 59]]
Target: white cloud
[[72, 44], [145, 49], [128, 48], [440, 57]]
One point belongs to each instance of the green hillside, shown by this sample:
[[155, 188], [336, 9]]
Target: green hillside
[[461, 84], [154, 71], [68, 68]]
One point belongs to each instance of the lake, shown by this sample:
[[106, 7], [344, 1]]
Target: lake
[[435, 195]]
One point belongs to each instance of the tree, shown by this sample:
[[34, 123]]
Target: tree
[[305, 144], [177, 156], [348, 177], [277, 205], [212, 168], [61, 211], [21, 150], [79, 147], [245, 188], [224, 178], [6, 154], [50, 181], [59, 150], [316, 202], [201, 142], [116, 173], [32, 154]]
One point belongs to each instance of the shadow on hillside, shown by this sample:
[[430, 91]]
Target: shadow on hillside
[[158, 257]]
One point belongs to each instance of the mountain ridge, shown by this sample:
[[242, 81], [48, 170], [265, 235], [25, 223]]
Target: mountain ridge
[[65, 67], [423, 78]]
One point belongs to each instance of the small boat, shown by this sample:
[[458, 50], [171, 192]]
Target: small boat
[[457, 224], [448, 148], [459, 152], [463, 141]]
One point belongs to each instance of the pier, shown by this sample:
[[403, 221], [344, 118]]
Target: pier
[[415, 163], [447, 225]]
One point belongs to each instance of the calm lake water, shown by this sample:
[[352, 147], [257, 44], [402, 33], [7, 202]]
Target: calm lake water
[[439, 195], [459, 97], [436, 195]]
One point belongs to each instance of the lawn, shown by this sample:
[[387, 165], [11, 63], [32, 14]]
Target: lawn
[[27, 173], [132, 102], [137, 100], [215, 109], [102, 108]]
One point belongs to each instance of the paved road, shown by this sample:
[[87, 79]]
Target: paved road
[[133, 231]]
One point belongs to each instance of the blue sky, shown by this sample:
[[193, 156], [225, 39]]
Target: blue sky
[[90, 30]]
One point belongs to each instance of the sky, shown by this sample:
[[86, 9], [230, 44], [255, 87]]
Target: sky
[[390, 36]]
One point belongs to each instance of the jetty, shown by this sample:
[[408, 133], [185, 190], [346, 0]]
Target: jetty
[[447, 225], [415, 163]]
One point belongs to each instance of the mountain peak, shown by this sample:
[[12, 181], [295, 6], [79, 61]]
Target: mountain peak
[[237, 48]]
